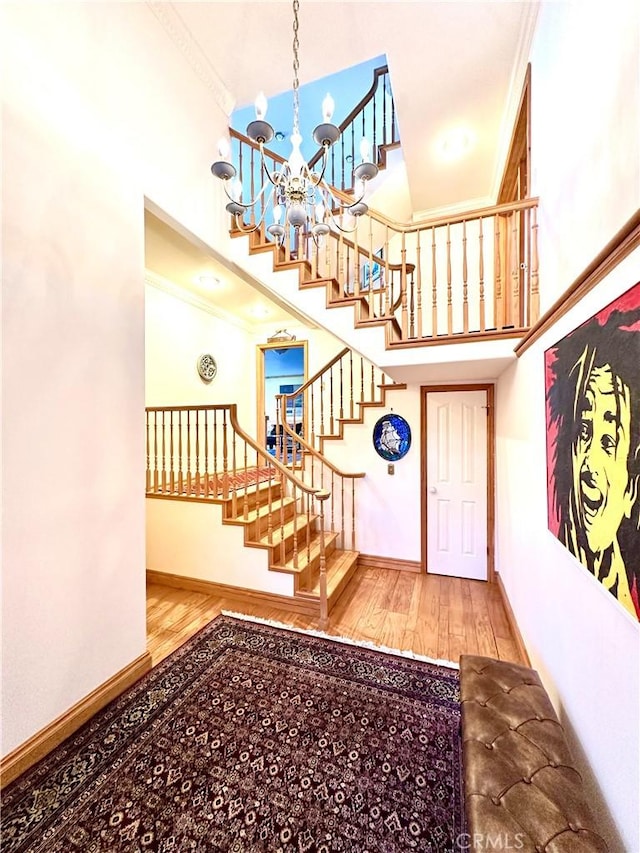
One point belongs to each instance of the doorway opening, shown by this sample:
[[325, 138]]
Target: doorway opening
[[281, 369], [458, 480]]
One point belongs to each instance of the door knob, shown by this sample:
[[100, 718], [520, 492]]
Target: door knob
[[432, 490]]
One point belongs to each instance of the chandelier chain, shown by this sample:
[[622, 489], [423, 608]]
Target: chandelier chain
[[296, 66]]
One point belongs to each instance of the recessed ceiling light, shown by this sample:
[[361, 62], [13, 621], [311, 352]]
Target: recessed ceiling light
[[208, 280], [259, 311], [455, 143]]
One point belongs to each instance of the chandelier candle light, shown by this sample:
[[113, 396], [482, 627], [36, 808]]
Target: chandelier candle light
[[306, 200]]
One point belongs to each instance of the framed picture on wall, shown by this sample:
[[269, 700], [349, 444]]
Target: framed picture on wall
[[592, 383]]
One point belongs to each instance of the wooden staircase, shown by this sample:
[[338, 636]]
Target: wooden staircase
[[271, 523], [304, 518]]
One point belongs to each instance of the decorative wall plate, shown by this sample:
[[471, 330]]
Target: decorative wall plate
[[392, 437], [207, 367]]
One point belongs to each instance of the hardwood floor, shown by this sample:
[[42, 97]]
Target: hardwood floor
[[431, 615]]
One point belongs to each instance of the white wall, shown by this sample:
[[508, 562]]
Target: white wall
[[586, 139], [92, 123], [189, 539], [177, 333]]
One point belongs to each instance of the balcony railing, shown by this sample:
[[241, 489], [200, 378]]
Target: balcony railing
[[374, 118]]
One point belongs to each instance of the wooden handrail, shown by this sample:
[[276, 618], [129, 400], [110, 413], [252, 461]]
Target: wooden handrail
[[299, 439], [366, 99]]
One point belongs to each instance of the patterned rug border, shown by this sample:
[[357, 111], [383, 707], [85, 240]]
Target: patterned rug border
[[347, 641]]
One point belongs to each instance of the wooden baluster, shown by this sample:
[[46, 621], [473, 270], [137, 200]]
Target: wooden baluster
[[155, 451], [375, 127], [481, 274], [189, 484], [412, 326], [312, 439], [295, 527], [342, 525], [370, 271], [465, 292], [353, 157], [535, 294], [307, 502], [321, 406], [282, 542], [321, 497], [180, 477], [172, 481], [361, 379], [245, 501], [341, 282], [164, 455], [351, 383], [341, 415], [373, 385], [353, 514], [434, 285], [403, 290], [498, 275], [331, 429], [269, 502], [216, 488], [197, 484], [206, 454], [388, 305], [514, 302], [449, 286], [333, 501], [225, 457], [419, 286], [384, 110], [148, 484]]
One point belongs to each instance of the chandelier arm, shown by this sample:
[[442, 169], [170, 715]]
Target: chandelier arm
[[249, 230], [246, 205], [275, 182]]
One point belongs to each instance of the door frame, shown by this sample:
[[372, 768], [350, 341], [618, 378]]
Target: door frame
[[489, 388], [260, 377]]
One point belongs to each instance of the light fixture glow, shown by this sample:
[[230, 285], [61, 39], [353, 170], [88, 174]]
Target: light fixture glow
[[454, 144], [208, 280]]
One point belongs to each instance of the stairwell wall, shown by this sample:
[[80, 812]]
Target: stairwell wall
[[92, 124], [586, 137]]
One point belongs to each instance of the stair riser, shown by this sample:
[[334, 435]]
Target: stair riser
[[337, 592], [312, 573], [254, 498]]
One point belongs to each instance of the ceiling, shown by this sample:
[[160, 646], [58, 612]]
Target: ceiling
[[456, 65]]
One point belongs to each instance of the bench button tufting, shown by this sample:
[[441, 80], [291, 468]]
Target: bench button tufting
[[552, 764], [489, 745], [495, 801]]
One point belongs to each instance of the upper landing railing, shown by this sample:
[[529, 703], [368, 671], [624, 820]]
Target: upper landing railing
[[465, 277], [374, 118]]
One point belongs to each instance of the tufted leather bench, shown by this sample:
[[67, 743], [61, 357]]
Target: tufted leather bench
[[522, 790]]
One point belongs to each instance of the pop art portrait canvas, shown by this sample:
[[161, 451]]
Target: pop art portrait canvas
[[592, 381]]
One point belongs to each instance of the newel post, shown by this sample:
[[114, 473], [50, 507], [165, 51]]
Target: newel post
[[322, 496]]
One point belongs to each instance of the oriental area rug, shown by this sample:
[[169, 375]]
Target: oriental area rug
[[251, 737]]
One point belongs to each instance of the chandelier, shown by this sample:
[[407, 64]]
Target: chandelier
[[297, 195]]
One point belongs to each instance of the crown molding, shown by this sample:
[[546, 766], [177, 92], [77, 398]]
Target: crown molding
[[184, 295], [516, 83], [173, 24]]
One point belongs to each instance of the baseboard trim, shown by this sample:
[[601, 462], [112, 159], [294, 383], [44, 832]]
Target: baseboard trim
[[236, 593], [517, 636], [27, 754], [368, 561]]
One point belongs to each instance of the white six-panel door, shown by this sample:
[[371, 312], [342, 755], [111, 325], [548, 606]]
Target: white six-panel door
[[457, 483]]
